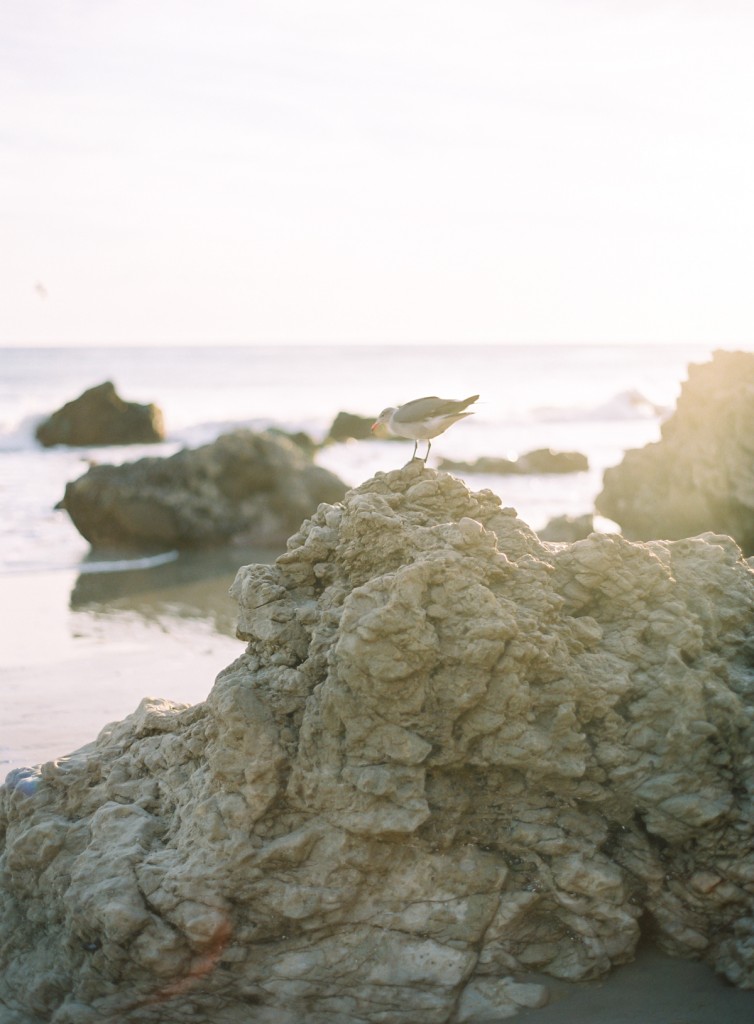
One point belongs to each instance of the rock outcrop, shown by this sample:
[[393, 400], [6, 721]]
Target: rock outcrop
[[567, 528], [450, 755], [242, 488], [100, 417], [542, 460], [347, 426], [700, 475]]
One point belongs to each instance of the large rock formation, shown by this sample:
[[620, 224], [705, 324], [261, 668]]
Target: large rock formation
[[450, 755], [100, 416], [700, 476], [243, 488]]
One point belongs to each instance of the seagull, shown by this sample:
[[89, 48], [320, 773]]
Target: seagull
[[422, 419]]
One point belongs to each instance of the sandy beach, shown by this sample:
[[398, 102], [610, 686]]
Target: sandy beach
[[81, 650], [654, 989]]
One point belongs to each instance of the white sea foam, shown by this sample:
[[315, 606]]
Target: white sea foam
[[626, 405], [127, 564]]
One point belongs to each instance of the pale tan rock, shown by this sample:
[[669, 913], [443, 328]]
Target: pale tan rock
[[487, 1000], [450, 755], [700, 476]]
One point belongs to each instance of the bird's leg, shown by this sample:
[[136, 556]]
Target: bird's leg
[[429, 445], [416, 445]]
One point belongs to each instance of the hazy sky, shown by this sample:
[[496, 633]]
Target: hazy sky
[[376, 170]]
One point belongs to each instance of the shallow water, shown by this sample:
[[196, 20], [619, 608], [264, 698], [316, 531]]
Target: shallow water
[[82, 650]]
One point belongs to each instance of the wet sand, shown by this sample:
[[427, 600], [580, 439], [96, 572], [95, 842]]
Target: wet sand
[[80, 651], [655, 989]]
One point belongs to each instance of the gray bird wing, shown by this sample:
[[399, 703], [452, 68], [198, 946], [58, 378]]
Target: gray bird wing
[[427, 408]]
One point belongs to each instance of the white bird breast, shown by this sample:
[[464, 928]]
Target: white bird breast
[[424, 429]]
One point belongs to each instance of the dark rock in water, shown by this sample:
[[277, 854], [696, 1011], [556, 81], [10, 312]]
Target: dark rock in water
[[243, 488], [700, 475], [449, 756], [568, 528], [100, 417], [543, 460], [347, 426], [484, 464]]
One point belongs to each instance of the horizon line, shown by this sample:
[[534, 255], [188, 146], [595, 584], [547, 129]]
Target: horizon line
[[293, 343]]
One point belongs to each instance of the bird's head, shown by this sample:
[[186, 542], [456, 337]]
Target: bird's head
[[381, 426]]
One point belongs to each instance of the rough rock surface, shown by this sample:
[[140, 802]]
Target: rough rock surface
[[449, 756], [100, 416], [700, 475], [542, 460], [242, 488]]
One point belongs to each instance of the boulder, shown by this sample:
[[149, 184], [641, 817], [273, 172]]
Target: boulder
[[242, 488], [700, 475], [542, 460], [347, 426], [449, 757], [567, 528], [101, 417], [484, 464], [545, 460]]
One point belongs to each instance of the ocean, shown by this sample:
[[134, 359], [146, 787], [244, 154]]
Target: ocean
[[599, 400]]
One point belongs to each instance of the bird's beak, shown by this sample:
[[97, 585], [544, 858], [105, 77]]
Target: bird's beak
[[374, 426]]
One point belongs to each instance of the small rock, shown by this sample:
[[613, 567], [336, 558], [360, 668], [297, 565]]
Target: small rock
[[484, 464], [567, 528], [347, 426], [543, 460]]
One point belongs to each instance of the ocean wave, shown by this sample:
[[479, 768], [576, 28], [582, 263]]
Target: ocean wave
[[85, 568], [127, 564], [20, 435], [194, 435], [626, 405]]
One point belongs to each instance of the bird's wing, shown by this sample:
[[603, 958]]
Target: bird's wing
[[427, 408]]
